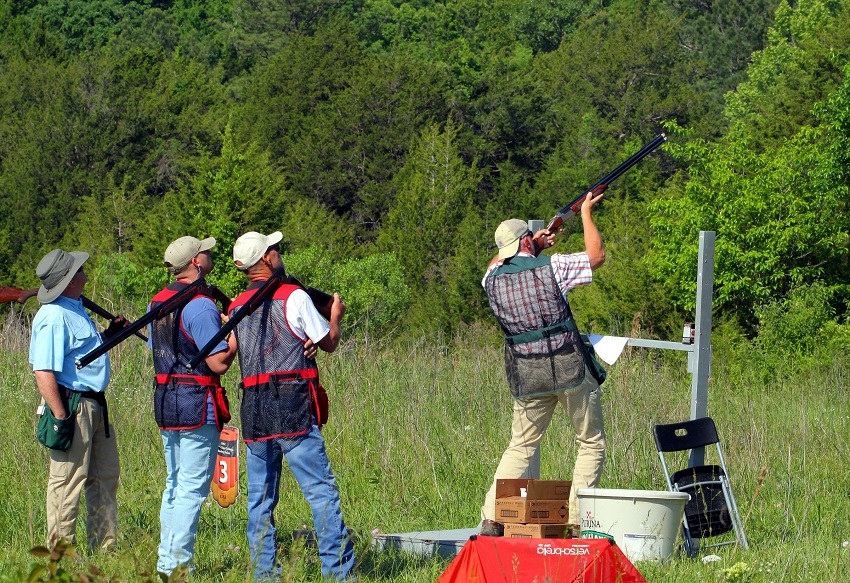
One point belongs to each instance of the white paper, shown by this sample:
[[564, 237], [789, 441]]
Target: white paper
[[608, 348]]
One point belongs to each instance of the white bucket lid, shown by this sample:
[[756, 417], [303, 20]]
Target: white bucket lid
[[631, 494]]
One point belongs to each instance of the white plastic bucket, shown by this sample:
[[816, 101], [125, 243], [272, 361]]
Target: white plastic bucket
[[644, 523]]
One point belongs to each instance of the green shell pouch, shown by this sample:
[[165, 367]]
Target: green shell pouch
[[59, 433]]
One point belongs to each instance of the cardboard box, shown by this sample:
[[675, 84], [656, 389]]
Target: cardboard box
[[525, 511], [534, 489], [538, 531], [528, 501]]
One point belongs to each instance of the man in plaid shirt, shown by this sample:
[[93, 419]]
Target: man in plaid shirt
[[545, 359]]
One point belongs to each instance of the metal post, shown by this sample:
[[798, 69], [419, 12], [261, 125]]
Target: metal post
[[700, 358]]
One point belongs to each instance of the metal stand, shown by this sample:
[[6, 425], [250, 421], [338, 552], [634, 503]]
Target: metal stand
[[699, 353]]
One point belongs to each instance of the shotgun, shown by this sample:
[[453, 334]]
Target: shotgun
[[321, 300], [9, 294], [263, 293], [574, 207], [177, 301]]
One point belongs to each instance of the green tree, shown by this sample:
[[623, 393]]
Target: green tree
[[775, 190], [339, 122], [801, 65], [237, 191], [431, 228]]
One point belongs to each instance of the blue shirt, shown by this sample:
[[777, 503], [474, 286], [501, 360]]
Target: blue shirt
[[62, 333], [201, 320]]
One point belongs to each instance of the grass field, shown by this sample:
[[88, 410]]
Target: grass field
[[416, 430]]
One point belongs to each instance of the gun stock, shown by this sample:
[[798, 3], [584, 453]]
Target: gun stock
[[16, 294], [597, 189]]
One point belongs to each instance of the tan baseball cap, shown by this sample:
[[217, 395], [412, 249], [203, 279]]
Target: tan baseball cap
[[250, 248], [55, 270], [183, 250], [508, 235]]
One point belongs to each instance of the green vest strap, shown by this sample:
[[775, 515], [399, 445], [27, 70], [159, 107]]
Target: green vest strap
[[541, 333], [521, 263]]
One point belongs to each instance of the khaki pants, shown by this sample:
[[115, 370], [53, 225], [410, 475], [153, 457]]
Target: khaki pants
[[531, 417], [91, 463]]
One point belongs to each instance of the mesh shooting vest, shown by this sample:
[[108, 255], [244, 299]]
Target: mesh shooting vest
[[279, 384], [544, 352], [180, 399]]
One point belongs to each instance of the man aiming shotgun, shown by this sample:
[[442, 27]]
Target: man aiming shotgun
[[546, 361]]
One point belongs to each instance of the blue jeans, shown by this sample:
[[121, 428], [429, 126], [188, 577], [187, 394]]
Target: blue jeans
[[309, 463], [190, 460]]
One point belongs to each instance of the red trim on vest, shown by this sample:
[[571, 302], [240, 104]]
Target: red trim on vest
[[164, 379], [261, 379], [166, 294]]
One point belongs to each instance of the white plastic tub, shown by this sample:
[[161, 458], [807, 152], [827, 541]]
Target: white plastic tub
[[644, 523]]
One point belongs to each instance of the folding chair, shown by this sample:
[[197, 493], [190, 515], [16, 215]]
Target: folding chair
[[711, 510]]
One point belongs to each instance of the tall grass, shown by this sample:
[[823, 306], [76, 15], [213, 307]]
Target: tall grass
[[416, 429]]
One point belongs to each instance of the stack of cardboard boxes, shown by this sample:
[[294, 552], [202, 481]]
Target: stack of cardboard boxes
[[534, 508]]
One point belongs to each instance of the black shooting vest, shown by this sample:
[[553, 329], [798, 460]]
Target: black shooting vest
[[279, 383], [180, 398], [544, 352]]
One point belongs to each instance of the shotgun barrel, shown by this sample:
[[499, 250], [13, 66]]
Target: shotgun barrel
[[260, 295], [103, 313], [178, 300], [574, 206]]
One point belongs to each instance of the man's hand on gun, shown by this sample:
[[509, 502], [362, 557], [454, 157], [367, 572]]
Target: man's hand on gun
[[590, 201], [310, 350], [545, 239], [115, 326]]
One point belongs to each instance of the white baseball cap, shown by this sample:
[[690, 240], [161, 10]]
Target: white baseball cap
[[508, 236], [250, 248]]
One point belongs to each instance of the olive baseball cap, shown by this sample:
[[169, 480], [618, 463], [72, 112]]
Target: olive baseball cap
[[55, 270], [508, 235], [180, 252], [250, 248]]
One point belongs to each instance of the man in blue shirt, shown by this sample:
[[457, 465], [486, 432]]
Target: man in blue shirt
[[189, 405], [62, 332]]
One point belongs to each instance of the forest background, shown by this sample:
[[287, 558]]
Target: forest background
[[387, 139]]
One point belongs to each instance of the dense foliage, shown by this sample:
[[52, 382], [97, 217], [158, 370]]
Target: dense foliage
[[388, 138]]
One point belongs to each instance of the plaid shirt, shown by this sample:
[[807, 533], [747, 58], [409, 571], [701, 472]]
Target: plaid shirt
[[570, 270]]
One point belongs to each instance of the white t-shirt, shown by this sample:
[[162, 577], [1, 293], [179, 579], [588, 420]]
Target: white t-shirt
[[303, 318]]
